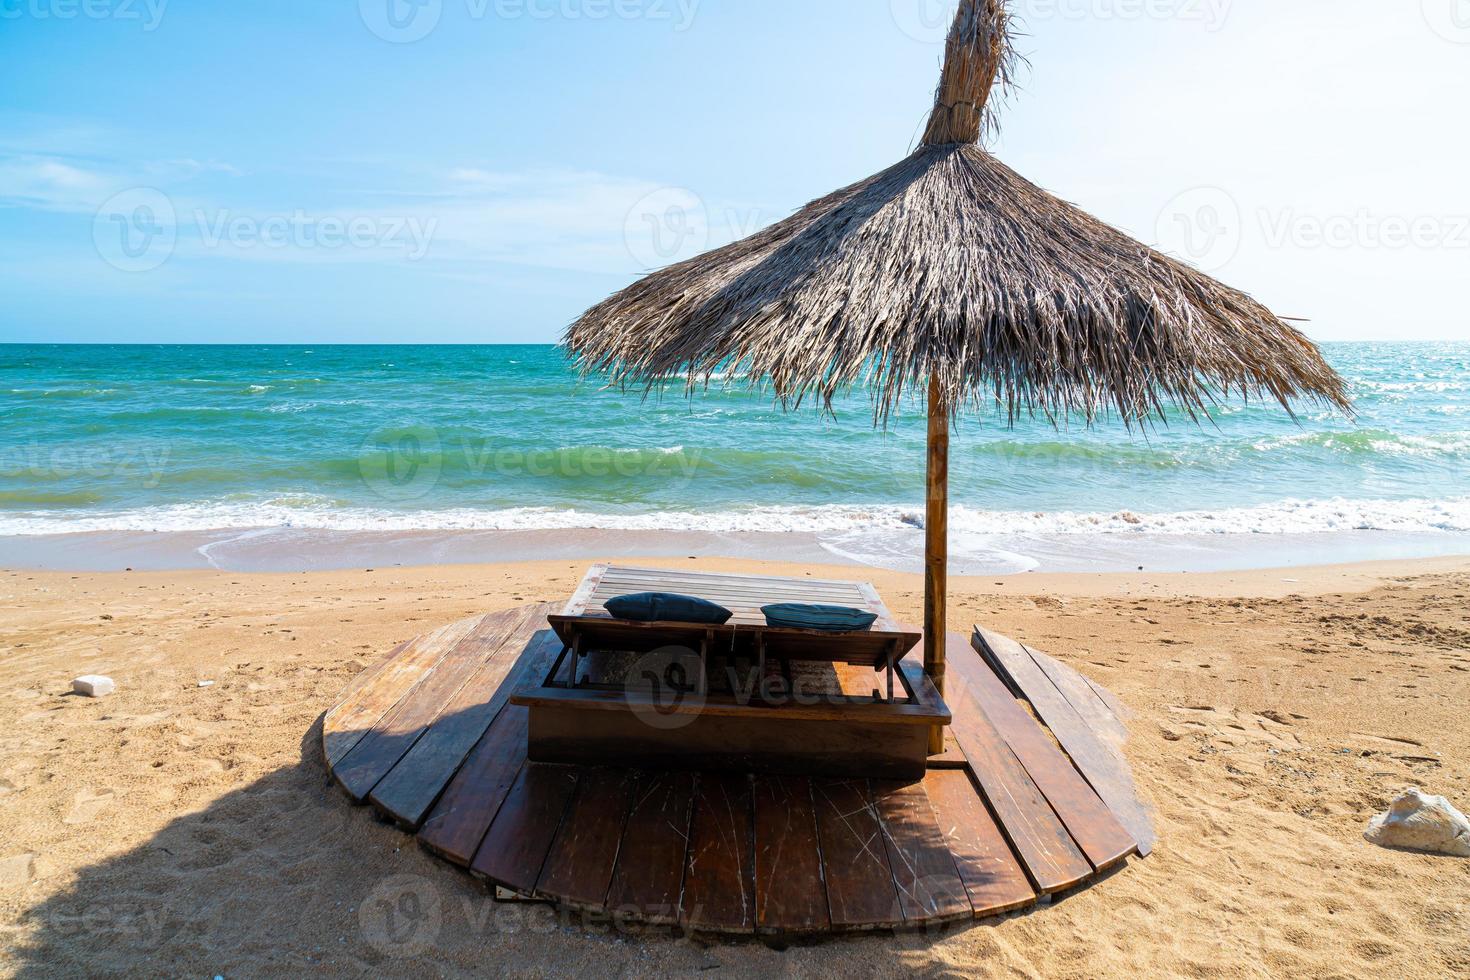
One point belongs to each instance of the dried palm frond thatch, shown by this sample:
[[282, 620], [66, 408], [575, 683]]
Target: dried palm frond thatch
[[951, 269]]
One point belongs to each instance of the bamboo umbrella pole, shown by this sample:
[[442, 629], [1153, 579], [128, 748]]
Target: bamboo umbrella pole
[[936, 548]]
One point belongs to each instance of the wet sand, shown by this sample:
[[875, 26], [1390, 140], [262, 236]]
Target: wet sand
[[319, 550]]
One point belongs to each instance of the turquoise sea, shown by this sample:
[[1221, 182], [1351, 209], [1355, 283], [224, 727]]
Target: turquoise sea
[[202, 438]]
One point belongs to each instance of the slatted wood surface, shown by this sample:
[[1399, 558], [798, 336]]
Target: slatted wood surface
[[1099, 761], [741, 594], [430, 740], [1094, 829], [924, 871], [719, 882], [579, 867], [861, 893], [790, 893]]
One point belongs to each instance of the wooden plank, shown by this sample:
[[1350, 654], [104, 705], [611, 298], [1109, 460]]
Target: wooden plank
[[1038, 837], [1092, 825], [790, 895], [754, 589], [515, 848], [993, 878], [370, 675], [649, 878], [861, 893], [410, 789], [458, 822], [579, 866], [577, 604], [1118, 708], [899, 713], [1102, 766], [400, 729], [929, 886], [619, 573], [565, 733], [347, 723], [923, 688], [690, 575], [1082, 696], [362, 680], [875, 603], [953, 757], [719, 883]]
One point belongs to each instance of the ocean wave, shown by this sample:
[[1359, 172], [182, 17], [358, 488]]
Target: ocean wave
[[64, 392], [1411, 387], [312, 512], [47, 498], [580, 451], [1284, 517], [1367, 442]]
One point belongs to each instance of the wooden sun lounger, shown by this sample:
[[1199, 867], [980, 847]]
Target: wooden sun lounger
[[579, 717]]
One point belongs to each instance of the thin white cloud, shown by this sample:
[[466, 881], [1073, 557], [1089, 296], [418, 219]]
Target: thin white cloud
[[564, 219], [57, 182], [49, 184], [582, 220]]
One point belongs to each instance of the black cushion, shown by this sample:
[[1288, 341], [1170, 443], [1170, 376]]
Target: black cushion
[[826, 619], [664, 607]]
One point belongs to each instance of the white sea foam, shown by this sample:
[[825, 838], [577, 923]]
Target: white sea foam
[[318, 513]]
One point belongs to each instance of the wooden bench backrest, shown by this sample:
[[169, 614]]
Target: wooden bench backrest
[[871, 648]]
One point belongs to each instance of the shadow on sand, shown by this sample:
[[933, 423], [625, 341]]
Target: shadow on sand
[[285, 877]]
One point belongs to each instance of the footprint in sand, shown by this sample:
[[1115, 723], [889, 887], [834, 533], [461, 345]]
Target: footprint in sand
[[1235, 727], [1395, 741], [86, 805]]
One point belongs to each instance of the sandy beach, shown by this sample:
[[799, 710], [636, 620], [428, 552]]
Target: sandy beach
[[1101, 326], [184, 826]]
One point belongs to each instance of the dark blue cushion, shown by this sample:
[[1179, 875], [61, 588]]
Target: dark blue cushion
[[664, 607], [826, 619]]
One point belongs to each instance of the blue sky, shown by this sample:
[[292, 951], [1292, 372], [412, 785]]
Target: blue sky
[[483, 170]]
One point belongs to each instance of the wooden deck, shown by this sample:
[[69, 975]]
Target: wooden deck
[[430, 739]]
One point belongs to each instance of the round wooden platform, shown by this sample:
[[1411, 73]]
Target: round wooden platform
[[428, 738]]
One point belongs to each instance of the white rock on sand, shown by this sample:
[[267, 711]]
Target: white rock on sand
[[1422, 823], [93, 686], [17, 870]]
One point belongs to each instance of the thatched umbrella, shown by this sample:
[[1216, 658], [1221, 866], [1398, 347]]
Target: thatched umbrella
[[951, 269]]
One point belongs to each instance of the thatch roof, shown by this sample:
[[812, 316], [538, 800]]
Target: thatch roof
[[950, 266]]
